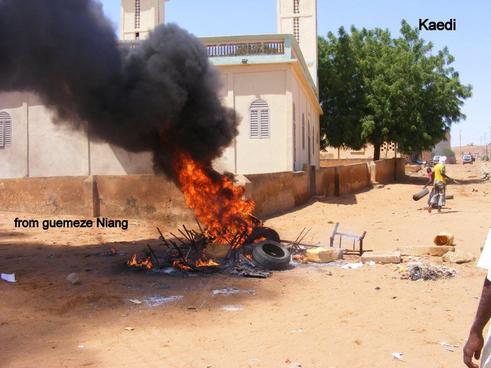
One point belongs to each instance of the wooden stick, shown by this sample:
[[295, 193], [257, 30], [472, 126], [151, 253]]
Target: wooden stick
[[199, 226], [163, 238], [154, 255], [182, 233]]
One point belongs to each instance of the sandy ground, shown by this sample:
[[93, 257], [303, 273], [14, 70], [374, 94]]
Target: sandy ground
[[310, 316]]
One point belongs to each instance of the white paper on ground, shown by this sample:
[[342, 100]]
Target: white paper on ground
[[9, 277], [352, 266], [398, 356]]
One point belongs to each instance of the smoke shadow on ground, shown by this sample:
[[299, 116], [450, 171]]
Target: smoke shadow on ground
[[5, 235], [43, 316]]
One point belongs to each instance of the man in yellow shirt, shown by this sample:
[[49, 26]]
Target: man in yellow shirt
[[438, 192]]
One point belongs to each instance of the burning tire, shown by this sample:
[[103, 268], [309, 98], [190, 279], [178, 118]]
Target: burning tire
[[263, 233], [271, 255]]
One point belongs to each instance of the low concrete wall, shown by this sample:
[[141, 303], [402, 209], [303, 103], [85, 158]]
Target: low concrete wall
[[342, 162], [155, 197], [353, 178], [277, 192], [325, 181], [51, 196], [140, 196], [388, 171]]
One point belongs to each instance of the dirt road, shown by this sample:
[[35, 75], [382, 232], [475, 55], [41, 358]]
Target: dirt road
[[311, 316]]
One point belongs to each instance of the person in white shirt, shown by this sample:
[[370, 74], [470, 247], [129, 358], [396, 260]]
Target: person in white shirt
[[475, 347]]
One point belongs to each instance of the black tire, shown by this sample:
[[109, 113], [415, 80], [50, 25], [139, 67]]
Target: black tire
[[420, 194], [271, 255], [263, 232]]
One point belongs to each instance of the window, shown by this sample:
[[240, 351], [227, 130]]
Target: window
[[294, 138], [259, 120], [137, 13], [296, 6], [5, 130], [303, 132], [296, 28], [308, 130], [313, 145]]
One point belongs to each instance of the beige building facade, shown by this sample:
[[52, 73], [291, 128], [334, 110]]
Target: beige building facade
[[266, 79]]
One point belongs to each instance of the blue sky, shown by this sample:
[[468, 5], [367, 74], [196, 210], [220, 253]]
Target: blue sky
[[469, 44]]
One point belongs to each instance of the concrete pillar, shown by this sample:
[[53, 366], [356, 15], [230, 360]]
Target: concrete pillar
[[91, 197]]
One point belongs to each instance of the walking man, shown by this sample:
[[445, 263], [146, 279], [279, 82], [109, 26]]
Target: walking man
[[437, 196]]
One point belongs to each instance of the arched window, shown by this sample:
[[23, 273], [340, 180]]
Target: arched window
[[303, 132], [294, 137], [5, 130], [259, 120]]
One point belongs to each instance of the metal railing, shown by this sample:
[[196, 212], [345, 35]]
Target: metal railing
[[246, 48]]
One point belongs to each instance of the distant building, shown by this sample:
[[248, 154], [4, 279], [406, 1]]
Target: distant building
[[387, 150], [270, 80]]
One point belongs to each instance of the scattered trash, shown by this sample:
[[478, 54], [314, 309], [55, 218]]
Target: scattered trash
[[398, 356], [167, 270], [81, 347], [422, 271], [8, 277], [297, 330], [232, 308], [371, 263], [352, 266], [232, 291], [129, 328], [136, 301], [157, 301], [448, 347], [73, 279]]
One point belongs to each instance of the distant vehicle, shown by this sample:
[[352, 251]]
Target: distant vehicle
[[436, 159], [467, 159]]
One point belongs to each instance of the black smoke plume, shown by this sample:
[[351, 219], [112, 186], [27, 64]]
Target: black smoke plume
[[160, 96]]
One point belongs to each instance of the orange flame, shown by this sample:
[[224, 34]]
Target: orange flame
[[144, 264], [217, 202], [208, 263], [181, 266]]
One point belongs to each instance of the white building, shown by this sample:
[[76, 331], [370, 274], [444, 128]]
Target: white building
[[270, 80]]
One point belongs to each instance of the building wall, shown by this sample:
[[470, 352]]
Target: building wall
[[14, 158], [151, 15], [387, 151], [107, 159], [280, 87], [42, 147], [307, 22], [54, 148], [306, 127]]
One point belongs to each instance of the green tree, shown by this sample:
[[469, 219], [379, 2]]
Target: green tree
[[374, 89], [341, 95]]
